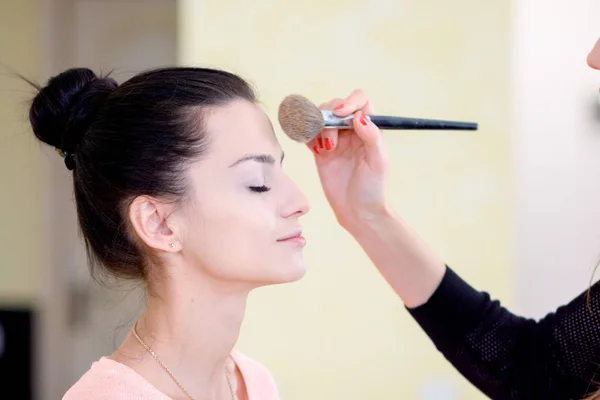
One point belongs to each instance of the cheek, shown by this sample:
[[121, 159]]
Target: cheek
[[232, 237]]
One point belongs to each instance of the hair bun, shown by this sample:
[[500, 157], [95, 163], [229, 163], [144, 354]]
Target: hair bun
[[63, 111]]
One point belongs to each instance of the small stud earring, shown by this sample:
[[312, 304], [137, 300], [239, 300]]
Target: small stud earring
[[171, 245]]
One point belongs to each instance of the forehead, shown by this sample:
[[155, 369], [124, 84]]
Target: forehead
[[239, 128]]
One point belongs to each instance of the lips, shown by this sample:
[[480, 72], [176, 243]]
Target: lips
[[296, 233]]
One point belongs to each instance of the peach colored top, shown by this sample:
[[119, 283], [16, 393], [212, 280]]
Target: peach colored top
[[110, 380]]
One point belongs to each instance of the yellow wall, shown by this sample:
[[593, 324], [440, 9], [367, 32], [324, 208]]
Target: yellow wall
[[22, 243], [341, 332]]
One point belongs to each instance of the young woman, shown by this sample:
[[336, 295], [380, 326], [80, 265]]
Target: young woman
[[178, 182]]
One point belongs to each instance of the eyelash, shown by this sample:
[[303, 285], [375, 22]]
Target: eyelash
[[259, 189]]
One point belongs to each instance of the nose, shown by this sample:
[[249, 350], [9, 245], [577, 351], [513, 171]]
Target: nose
[[296, 203], [593, 58]]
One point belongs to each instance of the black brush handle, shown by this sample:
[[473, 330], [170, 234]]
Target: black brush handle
[[386, 122]]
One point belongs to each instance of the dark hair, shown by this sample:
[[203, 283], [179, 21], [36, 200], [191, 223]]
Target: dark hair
[[125, 141]]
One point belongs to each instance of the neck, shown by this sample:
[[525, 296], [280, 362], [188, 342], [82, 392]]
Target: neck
[[192, 327]]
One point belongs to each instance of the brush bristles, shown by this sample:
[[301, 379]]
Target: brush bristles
[[300, 119]]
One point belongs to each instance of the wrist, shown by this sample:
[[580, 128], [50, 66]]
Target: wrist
[[368, 221], [400, 255]]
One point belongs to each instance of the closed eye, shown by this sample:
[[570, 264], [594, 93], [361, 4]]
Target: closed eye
[[259, 189]]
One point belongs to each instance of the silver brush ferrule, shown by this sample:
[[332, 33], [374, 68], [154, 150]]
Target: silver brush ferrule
[[333, 121]]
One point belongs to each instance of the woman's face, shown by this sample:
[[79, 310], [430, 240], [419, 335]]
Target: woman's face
[[594, 56], [241, 222]]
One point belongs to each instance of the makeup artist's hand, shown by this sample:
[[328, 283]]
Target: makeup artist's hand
[[353, 167], [353, 163]]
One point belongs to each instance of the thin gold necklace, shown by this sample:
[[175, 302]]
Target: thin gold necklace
[[168, 371]]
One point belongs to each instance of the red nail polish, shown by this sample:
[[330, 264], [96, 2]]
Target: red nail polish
[[363, 120], [339, 107], [328, 144], [317, 150], [320, 140]]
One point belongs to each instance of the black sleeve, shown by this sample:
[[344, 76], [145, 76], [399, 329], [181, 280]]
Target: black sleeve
[[510, 357]]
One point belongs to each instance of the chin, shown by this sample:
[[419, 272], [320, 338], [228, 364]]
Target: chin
[[288, 272], [297, 268], [295, 273]]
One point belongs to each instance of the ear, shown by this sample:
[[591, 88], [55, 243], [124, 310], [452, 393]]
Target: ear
[[149, 219]]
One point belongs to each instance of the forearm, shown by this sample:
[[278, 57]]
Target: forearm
[[400, 255], [461, 322]]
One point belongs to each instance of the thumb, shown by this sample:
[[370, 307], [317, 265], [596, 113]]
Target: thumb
[[372, 140], [367, 131]]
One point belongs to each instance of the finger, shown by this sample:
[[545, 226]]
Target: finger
[[329, 139], [313, 146], [326, 139], [366, 130], [373, 143], [317, 144], [333, 104], [358, 100], [330, 105]]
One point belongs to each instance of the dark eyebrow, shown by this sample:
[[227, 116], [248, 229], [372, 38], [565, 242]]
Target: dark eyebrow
[[260, 158]]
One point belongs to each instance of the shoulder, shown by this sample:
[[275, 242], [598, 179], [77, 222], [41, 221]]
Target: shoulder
[[108, 379], [259, 381]]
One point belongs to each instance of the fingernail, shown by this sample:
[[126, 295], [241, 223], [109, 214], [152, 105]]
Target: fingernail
[[328, 144], [339, 107], [317, 150], [363, 120], [320, 140]]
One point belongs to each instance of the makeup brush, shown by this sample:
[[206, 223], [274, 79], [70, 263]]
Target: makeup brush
[[301, 120]]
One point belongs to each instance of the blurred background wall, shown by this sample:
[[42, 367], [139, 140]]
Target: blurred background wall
[[23, 239], [510, 207], [23, 209], [556, 148]]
